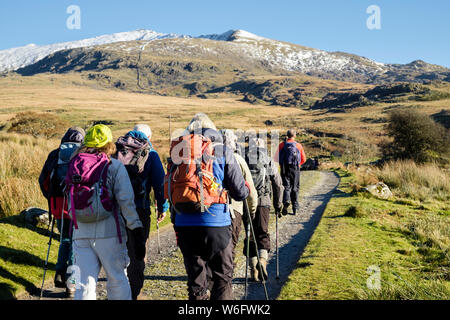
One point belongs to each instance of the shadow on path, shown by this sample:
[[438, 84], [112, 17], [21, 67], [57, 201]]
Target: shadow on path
[[290, 253]]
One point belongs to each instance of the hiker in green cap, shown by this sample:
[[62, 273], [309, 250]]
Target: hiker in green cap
[[101, 204]]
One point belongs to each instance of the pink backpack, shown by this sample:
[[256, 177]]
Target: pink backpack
[[89, 198]]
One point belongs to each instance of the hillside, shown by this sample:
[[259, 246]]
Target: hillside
[[235, 62]]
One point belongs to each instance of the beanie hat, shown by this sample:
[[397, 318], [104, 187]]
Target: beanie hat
[[98, 136]]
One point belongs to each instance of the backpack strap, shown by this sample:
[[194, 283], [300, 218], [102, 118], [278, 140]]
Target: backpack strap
[[72, 206], [202, 196], [103, 181]]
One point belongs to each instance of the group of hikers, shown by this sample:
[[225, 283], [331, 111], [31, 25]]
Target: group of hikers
[[98, 191]]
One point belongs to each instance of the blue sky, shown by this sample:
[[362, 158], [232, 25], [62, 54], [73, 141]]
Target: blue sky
[[410, 29]]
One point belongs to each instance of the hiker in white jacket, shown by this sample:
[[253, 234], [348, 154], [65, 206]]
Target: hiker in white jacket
[[100, 244]]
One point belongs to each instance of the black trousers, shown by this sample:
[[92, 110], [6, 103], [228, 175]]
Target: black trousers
[[290, 175], [207, 254], [136, 268], [261, 227]]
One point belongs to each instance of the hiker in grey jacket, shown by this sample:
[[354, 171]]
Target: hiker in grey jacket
[[103, 243], [237, 207], [269, 185]]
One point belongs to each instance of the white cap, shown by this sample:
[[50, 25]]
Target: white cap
[[144, 129]]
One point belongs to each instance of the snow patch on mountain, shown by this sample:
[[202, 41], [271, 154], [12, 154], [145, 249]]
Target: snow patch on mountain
[[12, 59]]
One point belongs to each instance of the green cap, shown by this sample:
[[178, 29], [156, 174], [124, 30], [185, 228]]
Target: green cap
[[98, 136]]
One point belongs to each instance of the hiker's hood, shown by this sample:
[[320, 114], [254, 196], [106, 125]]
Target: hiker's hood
[[98, 136], [74, 134], [200, 121], [139, 134]]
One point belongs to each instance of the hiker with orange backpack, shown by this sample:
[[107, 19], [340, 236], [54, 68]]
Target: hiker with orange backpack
[[290, 155], [52, 184], [101, 205], [146, 172], [202, 174]]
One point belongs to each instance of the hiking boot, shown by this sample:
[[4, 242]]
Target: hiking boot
[[254, 271], [263, 255], [70, 293], [60, 280], [285, 209]]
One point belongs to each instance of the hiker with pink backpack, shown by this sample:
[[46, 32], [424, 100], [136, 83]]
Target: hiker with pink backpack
[[101, 206], [146, 173]]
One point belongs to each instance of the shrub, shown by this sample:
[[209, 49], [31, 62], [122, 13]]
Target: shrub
[[355, 212], [415, 136], [38, 124]]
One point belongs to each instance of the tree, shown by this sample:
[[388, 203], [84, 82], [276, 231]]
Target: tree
[[415, 136]]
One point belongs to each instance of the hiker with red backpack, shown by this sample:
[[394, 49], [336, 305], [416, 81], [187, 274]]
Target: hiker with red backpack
[[290, 155], [146, 172], [101, 205], [202, 174], [52, 184]]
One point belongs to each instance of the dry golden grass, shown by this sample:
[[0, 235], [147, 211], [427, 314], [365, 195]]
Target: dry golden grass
[[21, 161]]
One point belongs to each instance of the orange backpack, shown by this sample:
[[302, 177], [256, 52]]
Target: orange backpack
[[190, 184]]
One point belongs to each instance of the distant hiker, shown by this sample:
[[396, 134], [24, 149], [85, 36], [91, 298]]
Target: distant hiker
[[237, 210], [51, 181], [268, 184], [100, 198], [146, 172], [202, 174], [290, 156]]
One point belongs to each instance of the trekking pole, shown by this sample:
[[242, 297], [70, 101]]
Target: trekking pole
[[256, 247], [48, 253], [157, 228], [247, 260], [276, 245]]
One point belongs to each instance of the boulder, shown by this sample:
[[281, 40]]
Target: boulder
[[35, 216], [379, 190]]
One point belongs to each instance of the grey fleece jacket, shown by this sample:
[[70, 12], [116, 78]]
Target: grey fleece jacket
[[121, 190]]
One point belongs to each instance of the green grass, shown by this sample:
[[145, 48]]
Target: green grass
[[409, 246], [23, 250]]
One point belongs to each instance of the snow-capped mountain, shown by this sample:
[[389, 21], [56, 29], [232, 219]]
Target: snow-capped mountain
[[237, 47], [15, 58]]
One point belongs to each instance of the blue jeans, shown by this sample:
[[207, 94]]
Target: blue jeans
[[65, 254]]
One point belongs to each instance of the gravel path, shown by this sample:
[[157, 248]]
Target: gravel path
[[165, 276]]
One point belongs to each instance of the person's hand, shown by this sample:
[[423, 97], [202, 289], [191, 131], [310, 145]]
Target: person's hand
[[139, 243], [161, 217], [248, 186], [278, 212]]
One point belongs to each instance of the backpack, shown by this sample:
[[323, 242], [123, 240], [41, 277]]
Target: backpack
[[290, 155], [133, 153], [190, 184], [89, 198], [258, 162], [59, 172]]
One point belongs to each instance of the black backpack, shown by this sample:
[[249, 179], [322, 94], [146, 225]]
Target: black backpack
[[259, 164], [289, 155], [59, 172]]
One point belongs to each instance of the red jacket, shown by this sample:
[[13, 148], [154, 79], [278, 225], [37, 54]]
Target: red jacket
[[299, 147]]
